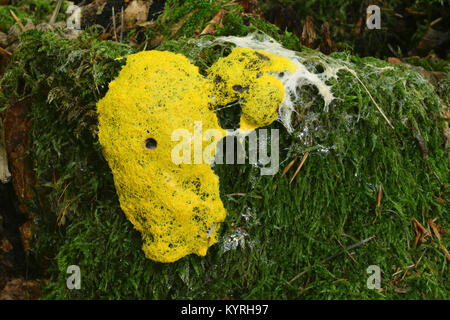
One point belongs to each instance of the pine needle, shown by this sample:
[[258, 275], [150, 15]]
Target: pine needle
[[300, 166], [289, 166]]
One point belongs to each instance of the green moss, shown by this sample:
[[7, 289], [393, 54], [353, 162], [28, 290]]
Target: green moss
[[238, 25], [66, 78], [44, 8], [184, 19], [431, 64], [6, 19]]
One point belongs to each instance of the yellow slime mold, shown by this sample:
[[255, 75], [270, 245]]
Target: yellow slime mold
[[176, 208], [247, 75]]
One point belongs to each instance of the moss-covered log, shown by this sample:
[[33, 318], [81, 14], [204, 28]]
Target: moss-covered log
[[365, 175]]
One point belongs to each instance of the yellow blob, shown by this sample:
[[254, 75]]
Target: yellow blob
[[176, 207], [246, 75]]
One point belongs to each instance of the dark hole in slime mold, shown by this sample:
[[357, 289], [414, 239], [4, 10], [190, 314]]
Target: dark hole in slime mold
[[150, 144]]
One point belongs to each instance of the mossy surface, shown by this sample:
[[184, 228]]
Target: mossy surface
[[37, 11], [186, 18], [274, 230], [6, 19]]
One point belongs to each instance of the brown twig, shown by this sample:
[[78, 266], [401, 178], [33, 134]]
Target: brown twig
[[404, 272], [121, 24], [114, 23], [5, 52], [370, 96], [420, 259], [353, 246], [300, 166], [64, 191], [17, 20], [288, 167], [437, 177], [447, 254], [378, 204], [64, 211], [435, 229], [351, 257], [435, 22], [55, 12], [421, 227], [438, 236]]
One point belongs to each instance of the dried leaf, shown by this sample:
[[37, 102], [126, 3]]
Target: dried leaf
[[394, 60], [216, 21], [135, 13]]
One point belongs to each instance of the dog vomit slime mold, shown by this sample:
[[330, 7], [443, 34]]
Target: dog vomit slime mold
[[176, 208], [249, 76]]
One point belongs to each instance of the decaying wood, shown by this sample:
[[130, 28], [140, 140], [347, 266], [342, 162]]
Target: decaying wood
[[16, 128], [309, 33]]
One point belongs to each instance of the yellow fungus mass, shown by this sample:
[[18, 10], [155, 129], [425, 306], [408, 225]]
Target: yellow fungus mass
[[248, 75], [176, 207]]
